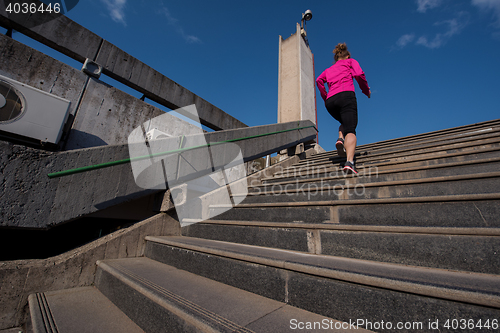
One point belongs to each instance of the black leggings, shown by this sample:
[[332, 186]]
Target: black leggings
[[344, 108]]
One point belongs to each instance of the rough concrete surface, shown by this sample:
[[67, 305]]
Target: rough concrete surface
[[13, 330], [29, 66], [107, 116], [296, 80], [94, 312], [30, 199], [100, 114], [75, 268]]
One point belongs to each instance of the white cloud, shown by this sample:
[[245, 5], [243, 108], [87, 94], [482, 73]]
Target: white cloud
[[174, 22], [116, 10], [170, 19], [454, 27], [490, 5], [405, 40], [423, 5], [437, 42]]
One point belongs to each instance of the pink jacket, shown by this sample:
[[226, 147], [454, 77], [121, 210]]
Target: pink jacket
[[340, 78]]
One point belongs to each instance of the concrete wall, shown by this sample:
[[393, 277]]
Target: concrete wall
[[102, 115], [288, 80], [107, 116], [296, 80], [307, 84], [24, 64]]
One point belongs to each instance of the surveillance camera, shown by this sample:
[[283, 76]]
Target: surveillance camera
[[307, 15]]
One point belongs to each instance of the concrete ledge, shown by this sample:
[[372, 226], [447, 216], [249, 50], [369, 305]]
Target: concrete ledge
[[75, 268], [257, 146], [32, 200]]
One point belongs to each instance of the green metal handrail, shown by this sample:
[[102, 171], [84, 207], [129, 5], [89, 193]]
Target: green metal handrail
[[180, 150]]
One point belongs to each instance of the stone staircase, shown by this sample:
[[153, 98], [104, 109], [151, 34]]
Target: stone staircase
[[410, 244]]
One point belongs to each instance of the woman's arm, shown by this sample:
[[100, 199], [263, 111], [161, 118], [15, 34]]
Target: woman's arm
[[359, 75], [320, 82]]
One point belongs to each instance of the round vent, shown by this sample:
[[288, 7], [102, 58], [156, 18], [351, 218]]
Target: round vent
[[12, 103]]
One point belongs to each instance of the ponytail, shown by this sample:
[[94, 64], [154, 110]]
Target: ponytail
[[341, 52]]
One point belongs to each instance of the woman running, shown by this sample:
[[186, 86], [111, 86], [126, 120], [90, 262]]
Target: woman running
[[340, 101]]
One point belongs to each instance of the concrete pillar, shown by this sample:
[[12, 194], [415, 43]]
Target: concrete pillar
[[296, 80]]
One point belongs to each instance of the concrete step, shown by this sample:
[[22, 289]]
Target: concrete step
[[471, 210], [162, 298], [466, 148], [443, 169], [344, 190], [343, 288], [447, 134], [437, 146], [369, 167], [427, 143], [433, 143], [383, 147], [464, 249], [489, 151], [78, 310], [468, 130]]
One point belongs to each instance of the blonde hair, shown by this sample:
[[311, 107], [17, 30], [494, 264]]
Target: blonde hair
[[340, 51]]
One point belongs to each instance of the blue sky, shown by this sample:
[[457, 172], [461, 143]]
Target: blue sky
[[431, 64]]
